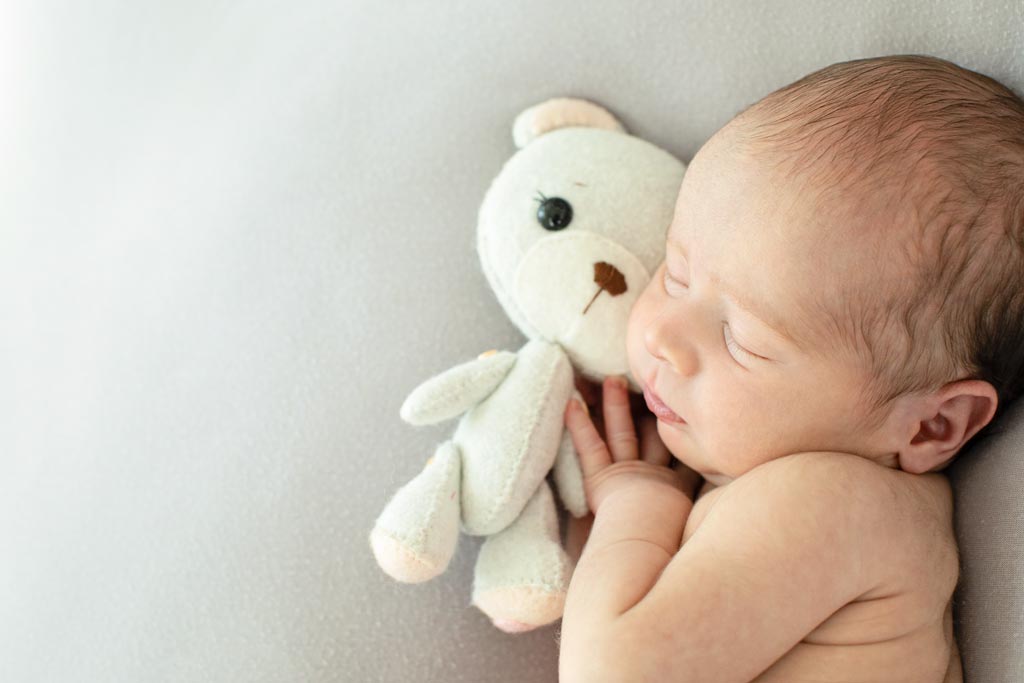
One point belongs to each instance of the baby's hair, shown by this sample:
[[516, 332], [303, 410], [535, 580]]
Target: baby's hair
[[941, 149]]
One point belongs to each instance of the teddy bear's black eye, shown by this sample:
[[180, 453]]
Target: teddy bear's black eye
[[554, 213]]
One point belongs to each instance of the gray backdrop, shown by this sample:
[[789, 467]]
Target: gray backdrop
[[234, 236]]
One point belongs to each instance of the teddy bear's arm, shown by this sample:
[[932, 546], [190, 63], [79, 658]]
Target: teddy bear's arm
[[457, 389]]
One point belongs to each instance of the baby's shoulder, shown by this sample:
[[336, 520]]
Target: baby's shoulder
[[907, 518], [915, 504], [865, 481], [881, 532]]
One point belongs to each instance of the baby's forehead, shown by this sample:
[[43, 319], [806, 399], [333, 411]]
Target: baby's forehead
[[838, 253], [807, 195], [825, 200], [845, 202], [846, 167]]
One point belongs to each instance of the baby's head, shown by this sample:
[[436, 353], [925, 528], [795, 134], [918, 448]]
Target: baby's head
[[870, 218]]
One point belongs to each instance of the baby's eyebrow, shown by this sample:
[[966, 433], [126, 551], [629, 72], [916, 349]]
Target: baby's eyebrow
[[768, 318]]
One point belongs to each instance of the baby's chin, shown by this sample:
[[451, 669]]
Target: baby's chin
[[716, 478], [708, 473]]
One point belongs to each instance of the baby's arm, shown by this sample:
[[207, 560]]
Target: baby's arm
[[629, 550], [634, 465], [651, 533], [784, 547], [632, 538]]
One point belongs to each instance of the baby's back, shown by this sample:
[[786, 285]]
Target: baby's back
[[903, 629]]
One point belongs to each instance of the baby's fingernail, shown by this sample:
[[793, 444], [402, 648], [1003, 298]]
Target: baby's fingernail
[[582, 405], [621, 381]]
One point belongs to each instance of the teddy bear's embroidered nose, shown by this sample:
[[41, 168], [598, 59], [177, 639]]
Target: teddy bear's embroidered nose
[[609, 279]]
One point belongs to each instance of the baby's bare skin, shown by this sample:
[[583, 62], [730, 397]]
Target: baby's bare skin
[[879, 535], [734, 344], [903, 631]]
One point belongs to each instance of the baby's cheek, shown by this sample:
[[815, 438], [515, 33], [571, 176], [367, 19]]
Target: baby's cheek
[[635, 349]]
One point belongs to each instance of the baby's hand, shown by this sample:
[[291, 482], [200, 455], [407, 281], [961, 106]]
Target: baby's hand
[[624, 461]]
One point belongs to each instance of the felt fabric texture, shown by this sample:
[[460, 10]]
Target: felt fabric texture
[[415, 536], [457, 389], [623, 189], [237, 235], [570, 233], [491, 475]]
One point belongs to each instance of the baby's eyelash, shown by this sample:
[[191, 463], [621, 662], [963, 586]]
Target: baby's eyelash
[[740, 348], [729, 341], [668, 278]]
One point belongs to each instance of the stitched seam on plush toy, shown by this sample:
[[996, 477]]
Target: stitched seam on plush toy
[[532, 587], [435, 508], [405, 552], [520, 459]]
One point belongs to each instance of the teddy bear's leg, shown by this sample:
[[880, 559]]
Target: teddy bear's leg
[[522, 572], [415, 536]]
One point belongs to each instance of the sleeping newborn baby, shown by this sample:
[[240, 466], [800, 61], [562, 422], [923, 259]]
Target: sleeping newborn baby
[[840, 311]]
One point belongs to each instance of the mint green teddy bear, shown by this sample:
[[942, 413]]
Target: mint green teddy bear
[[569, 234]]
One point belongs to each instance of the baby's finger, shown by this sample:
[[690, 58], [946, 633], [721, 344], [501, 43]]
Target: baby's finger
[[652, 448], [618, 421], [590, 448]]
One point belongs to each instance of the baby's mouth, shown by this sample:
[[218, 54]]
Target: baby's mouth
[[658, 407]]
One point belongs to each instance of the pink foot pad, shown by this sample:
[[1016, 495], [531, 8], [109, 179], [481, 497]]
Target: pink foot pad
[[512, 626]]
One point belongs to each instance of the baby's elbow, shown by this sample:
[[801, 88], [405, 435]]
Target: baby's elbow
[[591, 669], [596, 662], [622, 657]]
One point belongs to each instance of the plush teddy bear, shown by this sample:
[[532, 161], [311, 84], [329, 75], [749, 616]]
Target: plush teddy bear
[[569, 234]]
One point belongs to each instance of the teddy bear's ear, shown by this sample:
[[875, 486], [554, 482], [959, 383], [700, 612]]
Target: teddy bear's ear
[[561, 112]]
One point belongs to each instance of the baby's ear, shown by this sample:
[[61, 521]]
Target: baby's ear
[[958, 412]]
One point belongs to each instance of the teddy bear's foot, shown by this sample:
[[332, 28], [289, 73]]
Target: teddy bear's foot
[[536, 607], [415, 536], [522, 573]]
